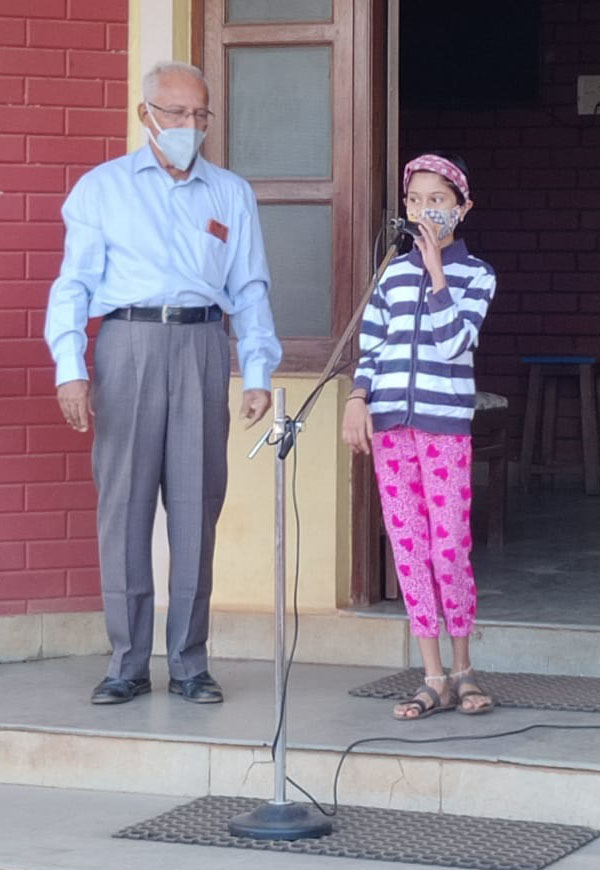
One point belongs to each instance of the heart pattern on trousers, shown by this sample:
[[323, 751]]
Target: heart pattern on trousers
[[426, 492]]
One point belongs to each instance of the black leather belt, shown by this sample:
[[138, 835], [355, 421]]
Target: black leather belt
[[167, 314]]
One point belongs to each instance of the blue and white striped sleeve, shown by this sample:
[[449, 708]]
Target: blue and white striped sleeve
[[456, 325], [373, 333]]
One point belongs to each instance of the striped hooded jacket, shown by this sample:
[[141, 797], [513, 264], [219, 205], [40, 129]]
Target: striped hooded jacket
[[416, 347]]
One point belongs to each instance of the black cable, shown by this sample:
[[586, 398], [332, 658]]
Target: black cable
[[290, 435], [287, 442], [384, 738], [291, 429], [427, 740]]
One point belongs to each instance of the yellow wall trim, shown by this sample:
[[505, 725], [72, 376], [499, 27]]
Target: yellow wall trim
[[158, 30], [182, 30]]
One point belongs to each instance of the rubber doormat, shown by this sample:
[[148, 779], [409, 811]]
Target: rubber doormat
[[536, 691], [380, 835]]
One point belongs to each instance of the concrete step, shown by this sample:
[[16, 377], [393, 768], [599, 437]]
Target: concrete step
[[50, 735], [373, 636]]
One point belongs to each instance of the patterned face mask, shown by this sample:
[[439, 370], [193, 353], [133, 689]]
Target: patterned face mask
[[447, 219]]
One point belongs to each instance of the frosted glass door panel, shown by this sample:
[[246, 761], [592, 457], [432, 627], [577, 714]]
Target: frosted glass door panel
[[278, 10], [280, 112], [298, 242]]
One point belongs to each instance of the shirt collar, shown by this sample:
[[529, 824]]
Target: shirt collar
[[455, 253], [144, 159]]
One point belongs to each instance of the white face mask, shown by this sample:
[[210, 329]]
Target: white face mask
[[179, 144]]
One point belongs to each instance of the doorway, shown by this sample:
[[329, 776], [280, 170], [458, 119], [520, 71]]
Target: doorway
[[498, 86]]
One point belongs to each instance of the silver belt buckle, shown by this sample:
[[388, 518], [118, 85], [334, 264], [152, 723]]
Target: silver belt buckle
[[164, 315]]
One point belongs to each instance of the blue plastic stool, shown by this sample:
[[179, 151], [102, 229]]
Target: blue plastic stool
[[541, 407]]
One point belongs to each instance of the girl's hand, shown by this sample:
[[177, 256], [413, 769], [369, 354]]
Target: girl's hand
[[357, 426], [429, 246]]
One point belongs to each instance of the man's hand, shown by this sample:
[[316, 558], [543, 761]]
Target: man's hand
[[74, 400], [255, 404]]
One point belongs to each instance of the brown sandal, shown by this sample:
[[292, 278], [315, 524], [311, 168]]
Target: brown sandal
[[467, 678], [423, 710]]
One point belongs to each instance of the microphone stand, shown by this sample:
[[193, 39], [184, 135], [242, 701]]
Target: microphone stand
[[282, 819]]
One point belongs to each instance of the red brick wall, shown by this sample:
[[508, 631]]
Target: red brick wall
[[63, 90], [536, 185]]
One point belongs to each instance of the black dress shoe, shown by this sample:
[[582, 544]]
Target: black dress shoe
[[201, 689], [114, 690]]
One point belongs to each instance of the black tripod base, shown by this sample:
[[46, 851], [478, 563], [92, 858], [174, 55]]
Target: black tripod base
[[288, 821]]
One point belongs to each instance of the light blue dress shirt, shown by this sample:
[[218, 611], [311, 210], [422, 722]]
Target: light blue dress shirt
[[136, 237]]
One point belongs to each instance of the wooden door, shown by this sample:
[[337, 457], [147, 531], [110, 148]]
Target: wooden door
[[298, 89]]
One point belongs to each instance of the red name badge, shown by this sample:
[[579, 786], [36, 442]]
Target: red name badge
[[217, 229]]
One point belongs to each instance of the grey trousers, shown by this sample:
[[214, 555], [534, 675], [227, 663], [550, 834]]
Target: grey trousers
[[160, 397]]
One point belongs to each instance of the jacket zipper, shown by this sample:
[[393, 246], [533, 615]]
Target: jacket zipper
[[414, 345]]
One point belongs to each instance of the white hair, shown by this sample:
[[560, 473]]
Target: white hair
[[151, 80]]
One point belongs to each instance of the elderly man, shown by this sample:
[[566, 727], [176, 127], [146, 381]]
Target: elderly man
[[160, 243]]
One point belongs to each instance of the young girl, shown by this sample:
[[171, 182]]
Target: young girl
[[412, 404]]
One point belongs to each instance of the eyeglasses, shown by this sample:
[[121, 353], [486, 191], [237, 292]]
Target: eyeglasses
[[179, 114]]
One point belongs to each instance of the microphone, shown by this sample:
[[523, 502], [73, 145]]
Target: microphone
[[406, 227]]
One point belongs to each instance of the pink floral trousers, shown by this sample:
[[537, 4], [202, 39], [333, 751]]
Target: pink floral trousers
[[424, 484]]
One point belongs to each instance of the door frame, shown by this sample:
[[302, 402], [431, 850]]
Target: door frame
[[372, 158], [358, 191]]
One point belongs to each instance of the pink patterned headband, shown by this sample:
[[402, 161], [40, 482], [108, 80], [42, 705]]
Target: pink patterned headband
[[445, 168]]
